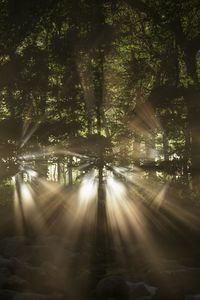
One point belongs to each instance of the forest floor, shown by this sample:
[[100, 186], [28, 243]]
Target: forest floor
[[53, 265]]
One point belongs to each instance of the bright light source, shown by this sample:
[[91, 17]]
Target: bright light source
[[32, 173], [88, 188], [26, 193], [115, 189]]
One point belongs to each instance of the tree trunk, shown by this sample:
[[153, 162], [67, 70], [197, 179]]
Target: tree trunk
[[59, 170], [194, 125], [165, 147], [100, 249], [186, 155], [70, 177]]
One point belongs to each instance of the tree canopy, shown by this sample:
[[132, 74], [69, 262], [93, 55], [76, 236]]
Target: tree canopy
[[125, 70]]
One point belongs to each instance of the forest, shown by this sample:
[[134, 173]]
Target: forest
[[99, 149]]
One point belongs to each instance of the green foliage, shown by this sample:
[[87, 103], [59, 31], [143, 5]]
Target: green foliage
[[73, 69], [6, 195]]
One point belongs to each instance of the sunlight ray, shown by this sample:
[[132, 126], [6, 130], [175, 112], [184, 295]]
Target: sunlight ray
[[26, 209], [27, 136]]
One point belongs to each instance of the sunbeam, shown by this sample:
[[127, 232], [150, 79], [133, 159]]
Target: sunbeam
[[88, 188], [26, 209]]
